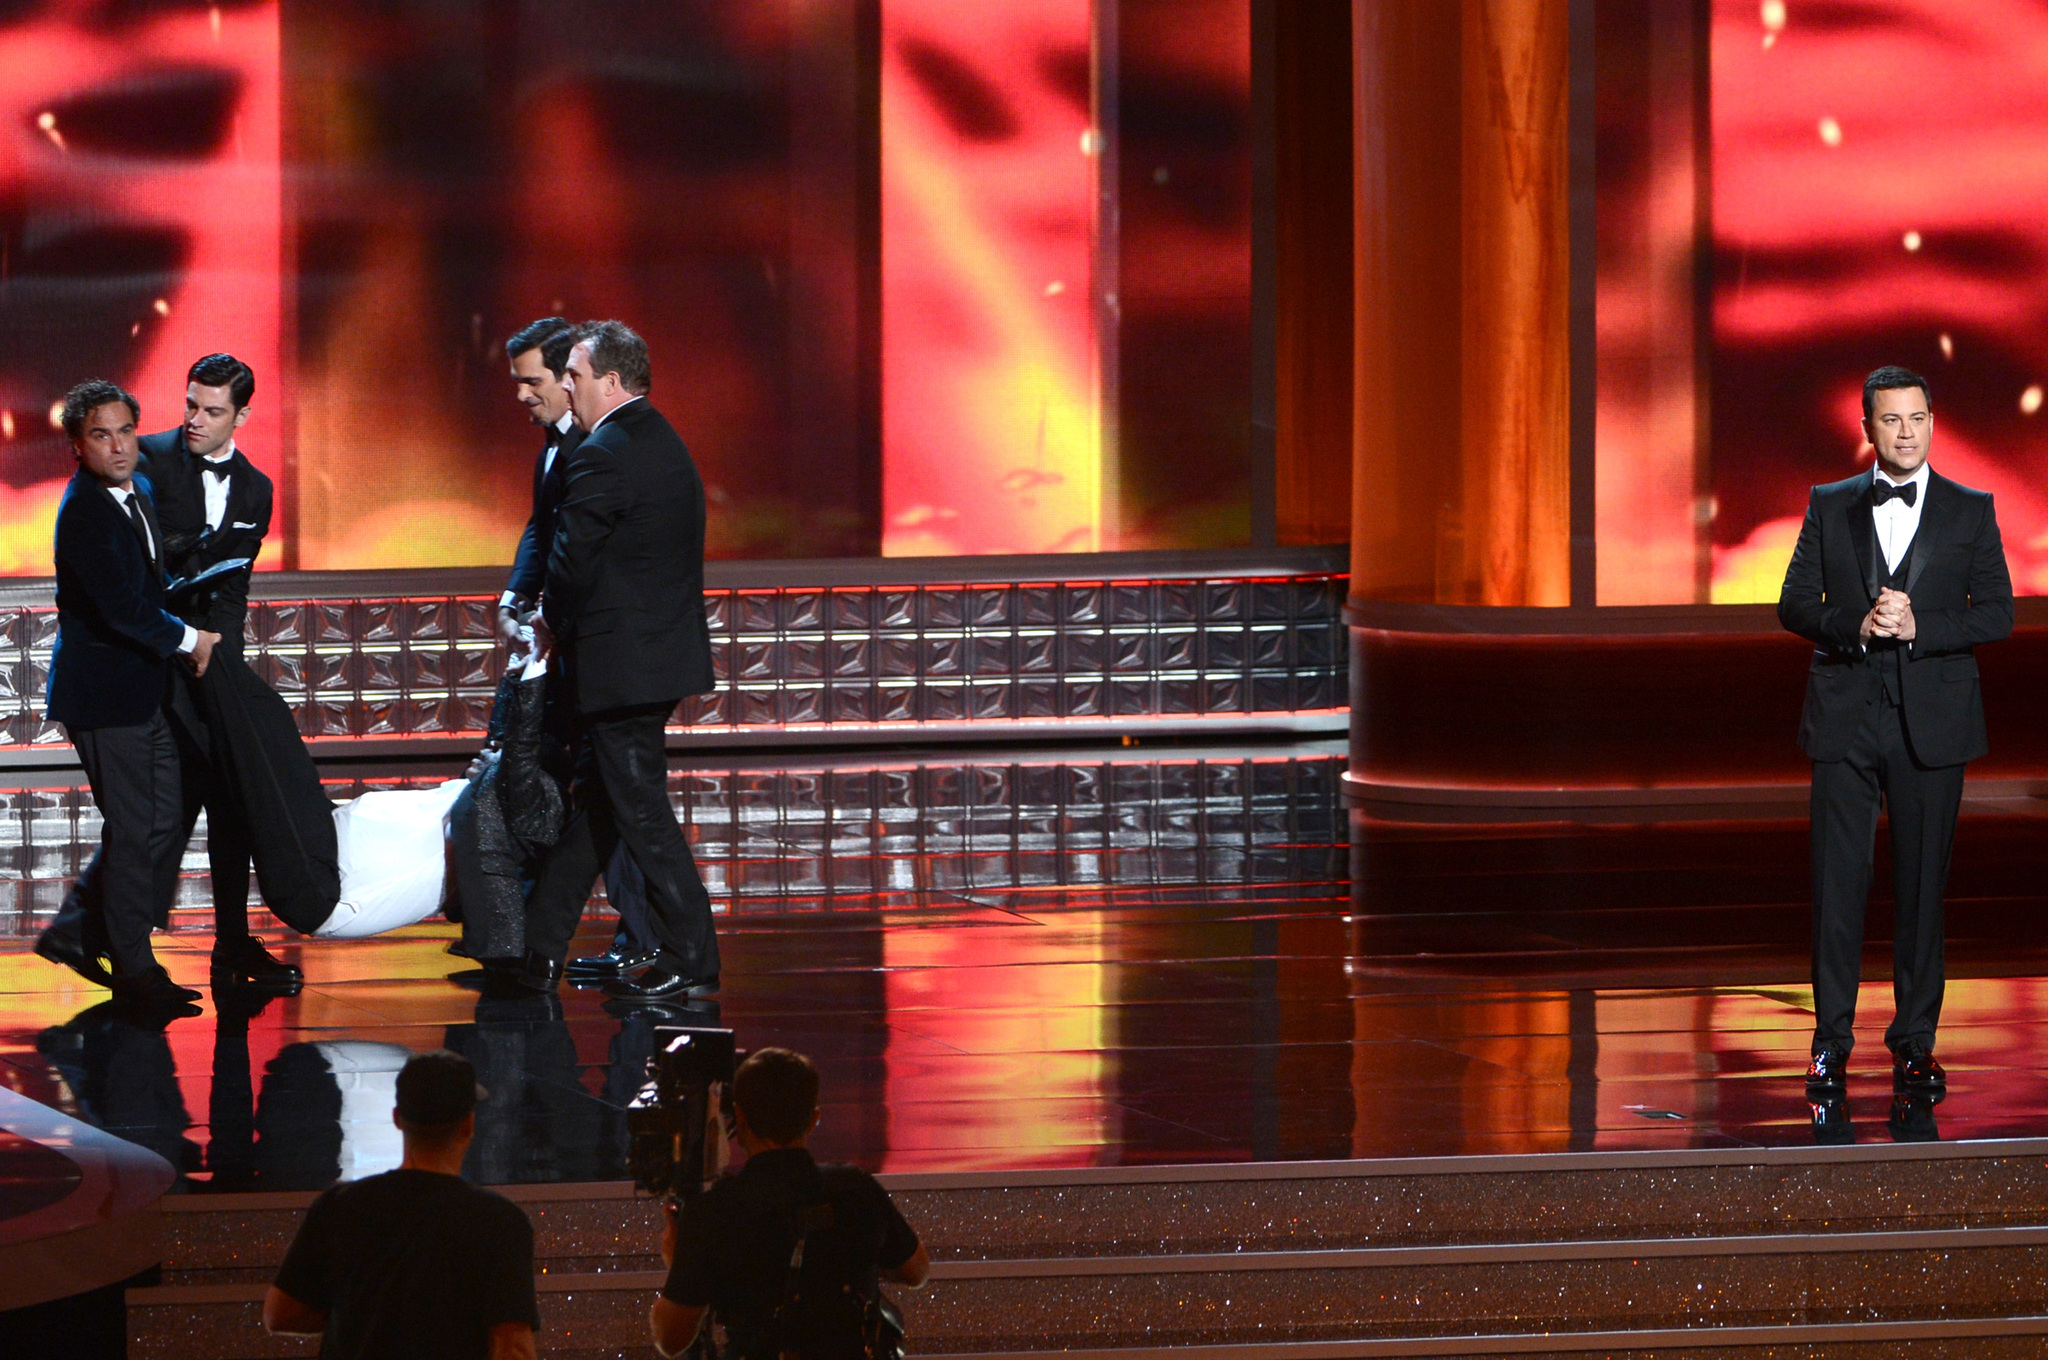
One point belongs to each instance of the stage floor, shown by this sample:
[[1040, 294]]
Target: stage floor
[[1089, 957]]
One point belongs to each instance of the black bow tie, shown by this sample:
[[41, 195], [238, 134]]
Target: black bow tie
[[1880, 492], [226, 466]]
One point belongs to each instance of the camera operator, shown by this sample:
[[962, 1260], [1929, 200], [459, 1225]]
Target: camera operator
[[789, 1254]]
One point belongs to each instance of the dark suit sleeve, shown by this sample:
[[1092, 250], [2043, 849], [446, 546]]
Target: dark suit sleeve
[[230, 599], [115, 593], [591, 504], [1988, 616], [1802, 605]]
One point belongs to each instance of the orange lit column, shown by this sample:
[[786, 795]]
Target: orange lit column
[[1461, 440]]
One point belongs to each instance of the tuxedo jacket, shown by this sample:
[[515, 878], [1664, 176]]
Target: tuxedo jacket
[[530, 564], [1956, 577], [189, 546], [625, 584], [114, 638]]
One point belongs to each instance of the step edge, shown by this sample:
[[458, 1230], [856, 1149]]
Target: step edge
[[1561, 1163], [1539, 1343]]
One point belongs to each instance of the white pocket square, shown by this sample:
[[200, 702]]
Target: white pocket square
[[239, 525]]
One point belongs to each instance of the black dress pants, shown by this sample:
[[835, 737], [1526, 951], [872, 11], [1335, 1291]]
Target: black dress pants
[[134, 875], [1921, 804], [208, 787], [620, 795]]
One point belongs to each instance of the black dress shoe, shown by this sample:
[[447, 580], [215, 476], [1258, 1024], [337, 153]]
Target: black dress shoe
[[153, 988], [246, 963], [1829, 1071], [73, 955], [659, 981], [1912, 1119], [1914, 1069], [614, 962], [539, 973]]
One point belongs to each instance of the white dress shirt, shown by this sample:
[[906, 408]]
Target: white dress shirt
[[216, 488], [121, 495], [1897, 521]]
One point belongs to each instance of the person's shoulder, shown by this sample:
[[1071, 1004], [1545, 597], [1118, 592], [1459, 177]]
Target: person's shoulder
[[163, 444], [1848, 487], [843, 1178], [1953, 487]]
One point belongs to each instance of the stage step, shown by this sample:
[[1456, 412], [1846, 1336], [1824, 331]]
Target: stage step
[[1927, 1250]]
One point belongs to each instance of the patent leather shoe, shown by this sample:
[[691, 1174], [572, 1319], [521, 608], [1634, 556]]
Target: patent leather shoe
[[153, 988], [1914, 1069], [63, 949], [659, 982], [246, 963], [614, 962], [1829, 1071], [539, 973]]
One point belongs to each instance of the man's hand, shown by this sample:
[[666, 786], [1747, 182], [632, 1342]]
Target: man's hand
[[508, 626], [543, 638], [202, 651], [1894, 612]]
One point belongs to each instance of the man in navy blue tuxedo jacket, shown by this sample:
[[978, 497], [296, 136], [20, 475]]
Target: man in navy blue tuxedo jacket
[[1898, 575], [109, 681]]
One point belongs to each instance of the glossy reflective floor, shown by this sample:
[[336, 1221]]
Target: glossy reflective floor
[[1085, 958]]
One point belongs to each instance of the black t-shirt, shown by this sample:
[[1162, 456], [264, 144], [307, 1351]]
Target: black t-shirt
[[733, 1242], [412, 1263]]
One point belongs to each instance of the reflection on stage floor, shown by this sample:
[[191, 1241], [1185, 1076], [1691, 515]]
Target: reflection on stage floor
[[1085, 958]]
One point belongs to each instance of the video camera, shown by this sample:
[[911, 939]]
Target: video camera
[[665, 1123]]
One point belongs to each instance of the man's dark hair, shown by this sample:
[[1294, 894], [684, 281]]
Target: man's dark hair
[[82, 400], [615, 348], [553, 336], [436, 1092], [777, 1090], [225, 370], [1889, 377]]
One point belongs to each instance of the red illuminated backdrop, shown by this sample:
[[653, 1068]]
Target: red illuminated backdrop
[[875, 249]]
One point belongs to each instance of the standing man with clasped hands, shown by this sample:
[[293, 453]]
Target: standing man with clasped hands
[[1898, 573], [623, 614], [109, 680]]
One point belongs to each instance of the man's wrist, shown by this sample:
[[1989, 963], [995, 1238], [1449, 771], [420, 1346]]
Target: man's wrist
[[190, 642]]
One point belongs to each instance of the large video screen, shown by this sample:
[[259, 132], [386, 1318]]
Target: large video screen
[[917, 277], [1792, 195]]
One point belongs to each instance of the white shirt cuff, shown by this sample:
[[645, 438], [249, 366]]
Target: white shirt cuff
[[191, 642], [508, 601]]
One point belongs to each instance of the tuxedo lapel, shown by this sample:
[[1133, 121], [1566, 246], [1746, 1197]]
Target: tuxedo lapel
[[1863, 537], [156, 529], [1932, 519]]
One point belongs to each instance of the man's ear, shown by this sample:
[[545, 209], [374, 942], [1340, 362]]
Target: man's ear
[[241, 416]]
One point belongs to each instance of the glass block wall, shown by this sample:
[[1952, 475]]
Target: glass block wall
[[850, 834], [854, 656]]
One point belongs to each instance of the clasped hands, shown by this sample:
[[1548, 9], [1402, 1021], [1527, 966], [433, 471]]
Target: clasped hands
[[1890, 617]]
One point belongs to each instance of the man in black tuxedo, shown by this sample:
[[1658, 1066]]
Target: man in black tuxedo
[[109, 681], [1898, 574], [215, 505], [539, 355], [623, 614]]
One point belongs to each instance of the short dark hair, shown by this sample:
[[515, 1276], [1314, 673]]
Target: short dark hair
[[615, 348], [225, 370], [777, 1090], [437, 1090], [553, 336], [1886, 379], [82, 400]]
